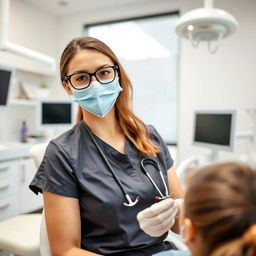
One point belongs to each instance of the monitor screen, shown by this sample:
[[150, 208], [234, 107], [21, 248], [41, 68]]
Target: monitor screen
[[214, 129], [5, 84], [56, 113]]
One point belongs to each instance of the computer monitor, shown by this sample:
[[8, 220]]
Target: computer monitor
[[214, 129], [55, 114], [6, 79]]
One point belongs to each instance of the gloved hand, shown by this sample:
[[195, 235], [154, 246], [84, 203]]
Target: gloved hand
[[158, 218]]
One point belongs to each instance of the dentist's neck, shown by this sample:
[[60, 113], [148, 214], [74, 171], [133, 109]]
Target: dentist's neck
[[102, 127]]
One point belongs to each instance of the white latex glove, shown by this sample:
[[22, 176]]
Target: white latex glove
[[158, 218]]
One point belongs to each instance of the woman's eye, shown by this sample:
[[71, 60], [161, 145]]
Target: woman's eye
[[104, 73], [81, 78]]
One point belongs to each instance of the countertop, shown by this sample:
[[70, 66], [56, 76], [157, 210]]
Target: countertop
[[13, 150]]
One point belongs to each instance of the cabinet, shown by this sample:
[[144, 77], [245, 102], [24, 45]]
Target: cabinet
[[15, 196], [9, 205], [28, 201]]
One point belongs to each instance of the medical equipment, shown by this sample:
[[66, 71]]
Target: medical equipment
[[249, 156], [214, 129], [143, 163], [250, 134], [155, 164], [206, 24]]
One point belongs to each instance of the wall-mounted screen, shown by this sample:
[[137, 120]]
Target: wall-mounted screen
[[214, 129], [55, 113]]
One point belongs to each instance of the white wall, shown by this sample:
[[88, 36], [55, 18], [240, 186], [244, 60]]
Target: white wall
[[34, 29], [225, 80], [31, 28]]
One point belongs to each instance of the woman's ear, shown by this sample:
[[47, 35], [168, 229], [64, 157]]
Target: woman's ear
[[188, 231], [67, 87]]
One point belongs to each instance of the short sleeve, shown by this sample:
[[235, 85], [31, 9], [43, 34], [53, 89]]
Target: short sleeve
[[55, 173], [163, 147]]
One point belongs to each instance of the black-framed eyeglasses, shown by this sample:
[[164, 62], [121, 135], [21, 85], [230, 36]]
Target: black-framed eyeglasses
[[82, 80]]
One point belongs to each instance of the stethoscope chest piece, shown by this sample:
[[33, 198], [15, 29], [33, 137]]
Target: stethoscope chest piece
[[130, 202]]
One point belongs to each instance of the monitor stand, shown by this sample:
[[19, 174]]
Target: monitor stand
[[206, 159], [214, 156]]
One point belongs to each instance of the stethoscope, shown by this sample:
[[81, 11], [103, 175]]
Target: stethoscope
[[156, 165], [143, 162]]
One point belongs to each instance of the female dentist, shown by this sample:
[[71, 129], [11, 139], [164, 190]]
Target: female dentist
[[96, 177]]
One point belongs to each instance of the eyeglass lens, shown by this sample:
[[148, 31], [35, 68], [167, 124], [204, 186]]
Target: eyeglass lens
[[82, 80]]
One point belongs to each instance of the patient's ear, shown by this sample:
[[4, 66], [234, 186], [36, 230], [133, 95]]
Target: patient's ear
[[188, 231]]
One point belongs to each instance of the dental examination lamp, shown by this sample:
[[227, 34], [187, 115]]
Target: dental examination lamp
[[206, 24]]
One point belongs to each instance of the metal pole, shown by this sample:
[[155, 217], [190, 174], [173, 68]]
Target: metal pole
[[208, 3]]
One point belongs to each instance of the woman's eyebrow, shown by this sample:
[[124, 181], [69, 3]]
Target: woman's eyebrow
[[99, 67]]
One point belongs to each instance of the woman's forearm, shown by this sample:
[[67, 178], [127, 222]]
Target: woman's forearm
[[176, 227], [75, 251]]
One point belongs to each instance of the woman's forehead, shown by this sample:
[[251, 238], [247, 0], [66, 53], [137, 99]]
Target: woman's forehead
[[88, 60]]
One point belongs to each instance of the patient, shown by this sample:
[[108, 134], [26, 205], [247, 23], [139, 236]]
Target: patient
[[219, 215]]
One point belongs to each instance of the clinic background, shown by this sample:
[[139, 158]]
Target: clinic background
[[225, 80]]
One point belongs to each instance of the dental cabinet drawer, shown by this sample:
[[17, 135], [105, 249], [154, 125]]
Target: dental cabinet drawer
[[9, 188], [9, 206], [8, 168], [10, 181], [9, 177], [15, 195]]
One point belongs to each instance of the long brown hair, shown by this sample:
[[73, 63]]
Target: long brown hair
[[220, 200], [131, 125]]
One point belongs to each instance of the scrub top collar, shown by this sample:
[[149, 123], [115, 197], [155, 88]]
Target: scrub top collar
[[108, 149]]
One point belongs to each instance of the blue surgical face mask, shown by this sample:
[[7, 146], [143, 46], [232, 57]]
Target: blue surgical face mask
[[98, 98]]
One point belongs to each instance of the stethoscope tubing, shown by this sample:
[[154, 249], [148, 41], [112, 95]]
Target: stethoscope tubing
[[107, 163], [143, 162], [126, 195], [154, 184], [153, 162]]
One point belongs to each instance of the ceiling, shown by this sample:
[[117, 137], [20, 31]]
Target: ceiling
[[64, 7]]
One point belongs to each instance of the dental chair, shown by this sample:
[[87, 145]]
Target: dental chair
[[37, 152], [19, 235], [176, 240]]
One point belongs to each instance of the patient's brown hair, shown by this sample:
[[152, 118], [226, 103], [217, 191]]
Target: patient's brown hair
[[220, 200]]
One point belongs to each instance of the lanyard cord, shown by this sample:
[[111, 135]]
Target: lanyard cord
[[107, 162]]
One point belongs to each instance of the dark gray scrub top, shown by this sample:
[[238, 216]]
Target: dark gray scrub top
[[73, 167]]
